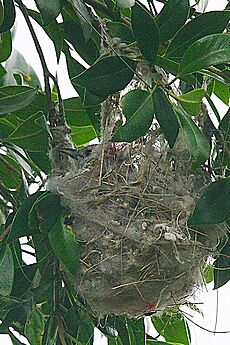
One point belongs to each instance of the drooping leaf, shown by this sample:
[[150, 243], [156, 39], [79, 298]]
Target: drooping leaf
[[203, 25], [214, 204], [165, 116], [173, 327], [75, 112], [222, 91], [63, 242], [107, 76], [82, 135], [20, 225], [49, 10], [73, 33], [196, 141], [138, 109], [191, 101], [221, 267], [207, 51], [9, 15], [171, 18], [121, 30], [31, 134], [6, 271], [5, 45], [84, 18], [18, 101], [34, 327], [145, 32]]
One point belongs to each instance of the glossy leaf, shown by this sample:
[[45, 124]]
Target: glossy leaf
[[165, 116], [49, 10], [173, 327], [75, 112], [191, 101], [34, 327], [203, 25], [107, 76], [214, 204], [196, 141], [208, 51], [82, 135], [137, 106], [20, 225], [171, 18], [15, 102], [145, 32], [121, 30], [221, 267], [5, 45], [9, 16], [63, 242], [31, 134], [6, 271]]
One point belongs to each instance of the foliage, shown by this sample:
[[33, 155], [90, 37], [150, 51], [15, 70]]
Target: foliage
[[39, 299]]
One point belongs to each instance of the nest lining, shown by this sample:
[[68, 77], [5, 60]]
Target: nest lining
[[130, 212]]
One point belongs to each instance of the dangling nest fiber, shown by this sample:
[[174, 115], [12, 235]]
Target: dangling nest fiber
[[130, 205]]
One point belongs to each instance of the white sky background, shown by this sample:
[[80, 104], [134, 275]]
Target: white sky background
[[210, 307]]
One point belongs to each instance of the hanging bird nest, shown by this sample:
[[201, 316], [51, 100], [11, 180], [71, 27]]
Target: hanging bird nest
[[130, 205]]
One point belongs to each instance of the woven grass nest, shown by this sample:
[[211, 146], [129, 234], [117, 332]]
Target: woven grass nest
[[130, 205]]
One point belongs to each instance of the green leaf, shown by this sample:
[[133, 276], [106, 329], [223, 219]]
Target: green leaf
[[196, 141], [121, 30], [213, 207], [171, 18], [165, 116], [11, 103], [17, 64], [208, 274], [6, 271], [125, 3], [8, 303], [203, 25], [73, 32], [222, 91], [75, 112], [46, 211], [34, 327], [145, 32], [173, 328], [221, 267], [31, 134], [63, 242], [5, 45], [20, 225], [49, 10], [82, 135], [207, 51], [136, 330], [10, 172], [191, 101], [107, 76], [84, 18], [138, 109], [9, 16]]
